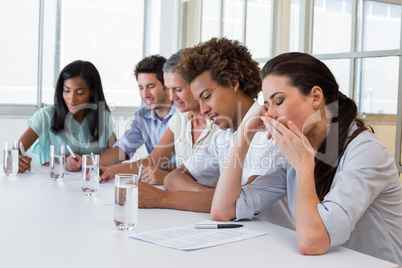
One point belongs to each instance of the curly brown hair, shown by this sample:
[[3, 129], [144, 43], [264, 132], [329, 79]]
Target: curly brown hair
[[226, 60]]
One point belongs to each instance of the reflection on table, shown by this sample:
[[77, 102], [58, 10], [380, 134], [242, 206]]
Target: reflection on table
[[45, 223]]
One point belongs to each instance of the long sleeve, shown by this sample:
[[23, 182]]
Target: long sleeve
[[261, 192]]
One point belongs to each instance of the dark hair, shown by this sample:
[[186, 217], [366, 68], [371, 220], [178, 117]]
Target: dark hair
[[151, 65], [90, 74], [171, 63], [304, 72], [226, 60]]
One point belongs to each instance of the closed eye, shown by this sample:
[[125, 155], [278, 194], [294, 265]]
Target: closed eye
[[279, 101]]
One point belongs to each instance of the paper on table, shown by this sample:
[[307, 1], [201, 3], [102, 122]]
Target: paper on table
[[77, 182], [73, 178], [190, 238], [39, 169]]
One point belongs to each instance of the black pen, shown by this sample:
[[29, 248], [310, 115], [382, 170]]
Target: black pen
[[217, 226]]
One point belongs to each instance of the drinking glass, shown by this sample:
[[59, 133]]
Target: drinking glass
[[10, 161], [57, 162], [90, 174], [126, 201]]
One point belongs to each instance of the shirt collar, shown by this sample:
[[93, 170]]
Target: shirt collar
[[150, 114]]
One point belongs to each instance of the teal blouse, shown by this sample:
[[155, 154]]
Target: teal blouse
[[79, 139]]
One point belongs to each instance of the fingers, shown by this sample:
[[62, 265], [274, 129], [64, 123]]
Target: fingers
[[148, 175], [262, 110], [79, 158], [272, 126], [72, 164], [294, 128], [264, 119], [277, 129], [105, 174], [24, 163]]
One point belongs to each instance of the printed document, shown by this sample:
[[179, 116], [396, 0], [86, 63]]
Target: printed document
[[190, 238]]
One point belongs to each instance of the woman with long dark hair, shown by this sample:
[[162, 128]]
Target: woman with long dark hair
[[342, 184], [79, 117]]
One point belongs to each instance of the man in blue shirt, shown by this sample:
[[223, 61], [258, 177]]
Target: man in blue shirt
[[150, 121]]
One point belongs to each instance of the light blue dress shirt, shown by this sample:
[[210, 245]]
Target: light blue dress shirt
[[79, 140], [146, 128], [363, 209]]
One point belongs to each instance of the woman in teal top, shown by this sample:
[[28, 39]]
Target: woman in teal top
[[79, 117]]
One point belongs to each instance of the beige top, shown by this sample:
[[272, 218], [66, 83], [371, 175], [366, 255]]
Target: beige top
[[180, 125]]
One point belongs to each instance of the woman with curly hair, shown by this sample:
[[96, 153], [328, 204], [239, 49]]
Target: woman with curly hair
[[225, 81]]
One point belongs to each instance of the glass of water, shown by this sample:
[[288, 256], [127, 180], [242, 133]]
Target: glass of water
[[56, 162], [126, 201], [10, 161], [90, 174]]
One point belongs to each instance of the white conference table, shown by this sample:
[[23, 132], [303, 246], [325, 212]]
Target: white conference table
[[44, 223]]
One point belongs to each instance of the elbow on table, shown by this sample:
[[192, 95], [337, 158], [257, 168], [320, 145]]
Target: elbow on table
[[222, 215], [308, 247]]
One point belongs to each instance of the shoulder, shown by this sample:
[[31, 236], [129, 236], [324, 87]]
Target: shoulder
[[367, 147], [49, 110], [366, 158], [44, 114], [42, 119], [142, 111], [222, 138], [173, 110], [179, 119]]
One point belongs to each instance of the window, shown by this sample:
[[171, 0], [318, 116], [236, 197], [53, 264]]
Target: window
[[332, 26], [250, 22], [374, 66], [233, 19], [107, 33], [380, 24], [341, 70], [211, 19], [359, 40], [19, 52], [378, 85], [259, 27]]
